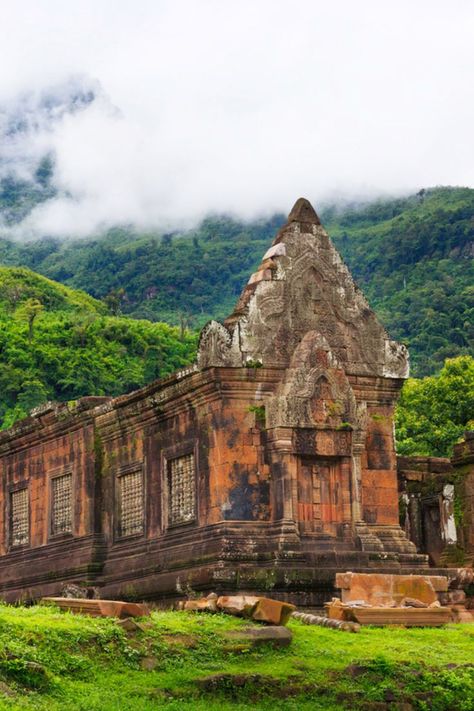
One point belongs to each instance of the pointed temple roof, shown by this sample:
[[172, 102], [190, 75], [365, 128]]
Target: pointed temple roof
[[303, 211], [302, 286]]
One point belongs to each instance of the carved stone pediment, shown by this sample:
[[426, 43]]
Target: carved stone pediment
[[218, 347], [302, 286], [315, 391], [396, 363]]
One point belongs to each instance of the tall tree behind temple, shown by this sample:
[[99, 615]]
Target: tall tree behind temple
[[434, 412]]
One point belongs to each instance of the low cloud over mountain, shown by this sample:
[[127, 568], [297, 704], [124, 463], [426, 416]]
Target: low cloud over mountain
[[160, 113]]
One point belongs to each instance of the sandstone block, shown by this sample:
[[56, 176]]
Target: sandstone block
[[130, 625], [333, 611], [417, 587], [100, 608], [406, 616], [202, 605], [381, 589], [373, 588], [439, 582], [413, 602], [272, 612], [240, 605]]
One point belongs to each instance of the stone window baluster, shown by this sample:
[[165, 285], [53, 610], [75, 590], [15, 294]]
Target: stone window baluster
[[61, 504], [19, 517], [131, 504], [181, 490]]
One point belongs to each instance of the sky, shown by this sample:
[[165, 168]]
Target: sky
[[240, 107]]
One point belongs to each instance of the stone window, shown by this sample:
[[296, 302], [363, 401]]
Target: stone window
[[131, 504], [19, 517], [181, 490], [61, 504]]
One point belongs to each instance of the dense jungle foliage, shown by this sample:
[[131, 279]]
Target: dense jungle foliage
[[434, 412], [60, 344], [413, 258]]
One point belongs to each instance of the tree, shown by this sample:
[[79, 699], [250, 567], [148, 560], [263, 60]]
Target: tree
[[434, 412], [113, 300], [29, 311]]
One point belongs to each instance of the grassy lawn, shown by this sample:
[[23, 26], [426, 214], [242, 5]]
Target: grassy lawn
[[57, 661]]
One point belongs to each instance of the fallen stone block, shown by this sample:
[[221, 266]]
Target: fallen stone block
[[272, 612], [201, 605], [130, 625], [404, 616], [382, 588], [99, 608], [275, 635], [239, 605], [413, 602]]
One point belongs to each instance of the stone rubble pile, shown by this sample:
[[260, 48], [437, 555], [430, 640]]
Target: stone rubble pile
[[263, 609], [259, 609]]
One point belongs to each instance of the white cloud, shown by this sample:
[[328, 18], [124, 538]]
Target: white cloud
[[242, 106]]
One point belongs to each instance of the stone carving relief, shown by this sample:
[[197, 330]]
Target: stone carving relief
[[315, 391], [218, 347], [308, 288], [396, 363]]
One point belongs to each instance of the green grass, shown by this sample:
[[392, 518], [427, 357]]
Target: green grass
[[57, 661]]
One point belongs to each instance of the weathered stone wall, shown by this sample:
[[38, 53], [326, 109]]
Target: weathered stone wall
[[52, 444], [437, 504]]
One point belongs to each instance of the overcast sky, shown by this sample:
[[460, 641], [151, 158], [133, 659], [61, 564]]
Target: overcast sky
[[213, 105]]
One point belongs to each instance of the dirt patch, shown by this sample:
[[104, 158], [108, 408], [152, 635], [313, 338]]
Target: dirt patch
[[255, 686]]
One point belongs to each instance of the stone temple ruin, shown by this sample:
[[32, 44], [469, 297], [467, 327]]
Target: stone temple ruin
[[270, 465]]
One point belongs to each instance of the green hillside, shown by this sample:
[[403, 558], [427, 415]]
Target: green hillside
[[53, 661], [413, 257], [60, 344]]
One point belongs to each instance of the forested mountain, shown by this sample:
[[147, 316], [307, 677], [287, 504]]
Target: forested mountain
[[61, 344], [413, 258]]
